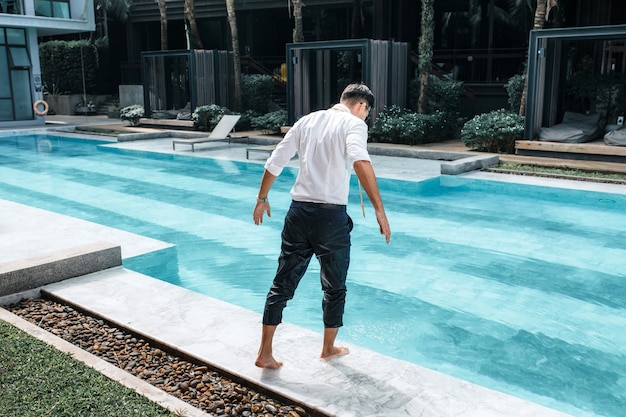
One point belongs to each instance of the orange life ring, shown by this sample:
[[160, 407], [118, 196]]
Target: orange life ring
[[36, 108]]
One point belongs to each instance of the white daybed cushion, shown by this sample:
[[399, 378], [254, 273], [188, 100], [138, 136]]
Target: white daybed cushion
[[575, 128], [616, 137]]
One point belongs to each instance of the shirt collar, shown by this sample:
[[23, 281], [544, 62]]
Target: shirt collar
[[341, 107]]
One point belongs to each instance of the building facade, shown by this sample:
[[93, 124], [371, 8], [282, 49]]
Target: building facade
[[22, 23], [480, 42]]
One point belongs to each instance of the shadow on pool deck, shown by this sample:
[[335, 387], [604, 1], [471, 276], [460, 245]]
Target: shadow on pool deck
[[361, 384]]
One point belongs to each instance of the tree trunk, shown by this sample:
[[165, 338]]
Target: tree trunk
[[298, 31], [425, 52], [541, 16], [190, 20], [358, 20], [105, 22], [356, 30], [163, 14], [234, 36]]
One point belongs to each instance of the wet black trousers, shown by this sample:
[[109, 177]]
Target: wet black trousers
[[323, 230]]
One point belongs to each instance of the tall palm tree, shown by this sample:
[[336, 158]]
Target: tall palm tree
[[117, 9], [234, 36], [163, 15], [298, 31], [192, 26], [425, 51], [358, 19], [542, 13]]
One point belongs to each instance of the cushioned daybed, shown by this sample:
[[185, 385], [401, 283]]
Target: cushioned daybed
[[616, 137], [575, 128]]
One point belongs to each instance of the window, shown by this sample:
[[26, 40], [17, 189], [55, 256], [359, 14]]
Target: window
[[15, 80], [11, 6], [19, 58], [15, 37], [53, 8]]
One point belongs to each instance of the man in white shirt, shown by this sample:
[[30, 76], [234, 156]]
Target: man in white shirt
[[329, 143]]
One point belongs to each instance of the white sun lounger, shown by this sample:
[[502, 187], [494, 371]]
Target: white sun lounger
[[268, 149], [220, 133]]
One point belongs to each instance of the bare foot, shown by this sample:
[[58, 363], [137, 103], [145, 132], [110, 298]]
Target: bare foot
[[270, 363], [334, 353]]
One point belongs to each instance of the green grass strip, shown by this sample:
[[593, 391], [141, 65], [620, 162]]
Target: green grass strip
[[38, 380], [564, 172]]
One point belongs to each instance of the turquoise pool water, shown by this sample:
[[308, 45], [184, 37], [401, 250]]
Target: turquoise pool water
[[515, 287]]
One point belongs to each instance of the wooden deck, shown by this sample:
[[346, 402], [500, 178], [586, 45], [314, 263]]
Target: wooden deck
[[590, 151], [167, 123]]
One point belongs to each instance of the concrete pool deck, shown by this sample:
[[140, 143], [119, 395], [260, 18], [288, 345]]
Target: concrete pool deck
[[362, 384]]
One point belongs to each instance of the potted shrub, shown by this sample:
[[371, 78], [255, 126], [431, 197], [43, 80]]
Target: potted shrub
[[132, 114], [495, 131], [85, 108]]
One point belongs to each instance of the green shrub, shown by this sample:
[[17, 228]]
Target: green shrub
[[398, 125], [256, 92], [206, 117], [270, 121], [389, 126], [132, 113], [245, 122], [495, 131], [515, 89], [443, 95], [62, 71]]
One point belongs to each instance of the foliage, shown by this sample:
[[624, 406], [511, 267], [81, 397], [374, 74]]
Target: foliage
[[270, 121], [85, 108], [442, 95], [425, 49], [208, 116], [62, 64], [399, 125], [132, 113], [38, 380], [256, 92], [116, 9], [245, 122], [619, 99], [588, 92], [515, 89], [583, 87], [495, 131]]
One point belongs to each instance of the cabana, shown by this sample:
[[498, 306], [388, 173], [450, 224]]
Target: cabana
[[550, 54], [317, 73]]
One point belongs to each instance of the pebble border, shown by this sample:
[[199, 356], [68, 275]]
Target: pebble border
[[193, 383]]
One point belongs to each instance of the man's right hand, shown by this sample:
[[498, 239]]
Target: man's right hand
[[381, 218], [259, 209]]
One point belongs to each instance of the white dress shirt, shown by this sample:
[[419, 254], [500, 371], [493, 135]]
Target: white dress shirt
[[328, 142]]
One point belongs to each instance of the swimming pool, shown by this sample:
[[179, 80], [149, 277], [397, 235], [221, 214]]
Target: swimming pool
[[514, 287]]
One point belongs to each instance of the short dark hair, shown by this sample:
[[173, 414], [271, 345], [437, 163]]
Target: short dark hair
[[355, 93]]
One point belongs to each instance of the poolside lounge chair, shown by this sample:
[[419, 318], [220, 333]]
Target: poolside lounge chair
[[268, 149], [220, 133]]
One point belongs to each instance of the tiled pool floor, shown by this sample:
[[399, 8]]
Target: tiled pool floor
[[361, 384]]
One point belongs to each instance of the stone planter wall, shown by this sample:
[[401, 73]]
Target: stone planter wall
[[65, 104]]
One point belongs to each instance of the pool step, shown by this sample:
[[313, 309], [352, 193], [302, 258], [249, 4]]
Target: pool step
[[21, 275]]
